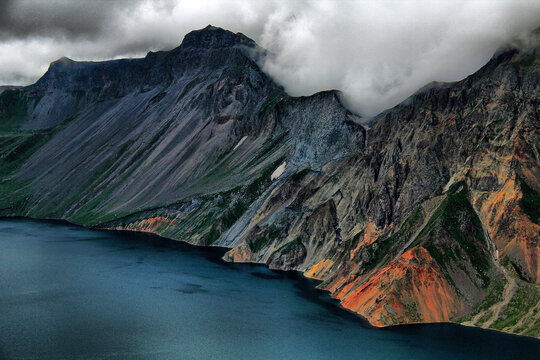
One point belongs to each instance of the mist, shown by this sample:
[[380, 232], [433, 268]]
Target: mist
[[376, 52]]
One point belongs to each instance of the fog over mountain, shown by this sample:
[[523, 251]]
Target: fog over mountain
[[376, 52]]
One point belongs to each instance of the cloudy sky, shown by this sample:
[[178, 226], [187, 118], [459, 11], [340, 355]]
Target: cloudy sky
[[376, 52]]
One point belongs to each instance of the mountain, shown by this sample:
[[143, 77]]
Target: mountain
[[429, 212]]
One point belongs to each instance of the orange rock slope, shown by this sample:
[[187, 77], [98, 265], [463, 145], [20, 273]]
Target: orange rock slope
[[154, 225], [409, 289]]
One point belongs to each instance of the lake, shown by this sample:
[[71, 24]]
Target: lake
[[67, 292]]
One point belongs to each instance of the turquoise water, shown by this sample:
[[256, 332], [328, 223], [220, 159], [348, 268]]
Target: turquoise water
[[69, 293]]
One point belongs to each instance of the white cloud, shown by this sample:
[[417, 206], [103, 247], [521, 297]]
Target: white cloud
[[376, 52]]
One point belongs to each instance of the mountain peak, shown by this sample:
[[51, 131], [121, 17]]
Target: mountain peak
[[63, 61], [212, 37]]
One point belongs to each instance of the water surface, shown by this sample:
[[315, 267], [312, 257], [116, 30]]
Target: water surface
[[68, 293]]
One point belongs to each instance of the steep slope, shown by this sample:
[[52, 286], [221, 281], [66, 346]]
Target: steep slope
[[422, 223], [198, 127], [432, 215]]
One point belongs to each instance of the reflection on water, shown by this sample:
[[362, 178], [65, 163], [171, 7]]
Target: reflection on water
[[67, 292]]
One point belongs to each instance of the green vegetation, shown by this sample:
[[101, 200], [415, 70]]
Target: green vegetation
[[257, 187], [270, 234], [412, 312], [87, 214], [525, 297], [211, 236], [233, 203], [14, 106], [530, 202], [271, 101], [288, 247], [220, 171], [449, 219], [485, 317], [233, 213], [216, 213], [224, 168], [13, 109], [224, 154], [16, 146], [388, 246], [494, 295], [13, 197], [267, 149], [258, 243], [19, 148], [533, 329], [443, 257]]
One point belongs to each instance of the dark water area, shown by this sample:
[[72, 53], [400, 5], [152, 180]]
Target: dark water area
[[71, 293]]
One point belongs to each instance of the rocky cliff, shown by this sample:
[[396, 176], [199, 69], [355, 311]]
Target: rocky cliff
[[428, 212]]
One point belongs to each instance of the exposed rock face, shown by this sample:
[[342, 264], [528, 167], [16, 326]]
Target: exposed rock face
[[423, 219], [414, 290]]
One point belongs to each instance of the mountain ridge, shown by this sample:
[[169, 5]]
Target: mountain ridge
[[422, 218]]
